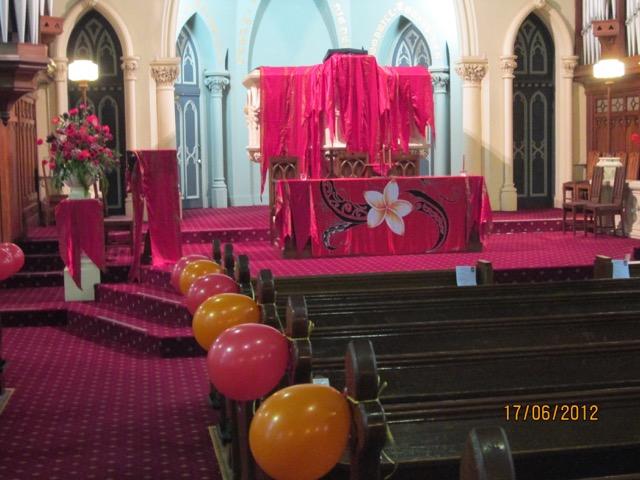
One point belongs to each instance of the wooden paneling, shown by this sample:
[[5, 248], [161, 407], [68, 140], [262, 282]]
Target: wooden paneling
[[18, 161]]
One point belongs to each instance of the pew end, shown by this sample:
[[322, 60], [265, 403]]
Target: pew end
[[229, 261], [216, 251], [242, 275], [487, 456], [265, 287], [484, 272], [368, 430], [297, 329], [602, 267]]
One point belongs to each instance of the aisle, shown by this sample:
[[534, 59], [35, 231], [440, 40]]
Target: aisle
[[81, 411]]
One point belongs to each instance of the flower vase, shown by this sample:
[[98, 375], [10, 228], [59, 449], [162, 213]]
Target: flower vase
[[76, 189]]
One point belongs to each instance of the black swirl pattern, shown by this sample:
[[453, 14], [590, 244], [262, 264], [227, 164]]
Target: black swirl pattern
[[344, 209]]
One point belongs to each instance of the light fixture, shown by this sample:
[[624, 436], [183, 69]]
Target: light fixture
[[83, 72], [609, 68], [612, 49]]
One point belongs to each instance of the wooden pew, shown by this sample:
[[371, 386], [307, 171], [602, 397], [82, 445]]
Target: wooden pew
[[428, 442]]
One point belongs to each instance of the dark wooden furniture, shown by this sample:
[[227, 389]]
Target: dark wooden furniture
[[280, 168], [594, 212], [351, 165], [405, 165], [576, 205], [633, 165], [578, 190]]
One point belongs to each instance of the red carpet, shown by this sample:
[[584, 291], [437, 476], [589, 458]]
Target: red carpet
[[83, 411], [524, 250]]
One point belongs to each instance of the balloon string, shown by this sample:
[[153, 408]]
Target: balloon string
[[310, 328], [253, 292], [391, 440]]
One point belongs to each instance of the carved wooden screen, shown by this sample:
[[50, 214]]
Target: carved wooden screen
[[533, 112], [94, 38], [188, 123], [26, 159]]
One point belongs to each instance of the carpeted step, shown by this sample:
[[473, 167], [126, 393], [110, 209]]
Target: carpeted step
[[234, 235], [158, 305], [34, 279], [30, 307], [39, 246], [502, 227], [119, 330], [43, 262], [156, 277]]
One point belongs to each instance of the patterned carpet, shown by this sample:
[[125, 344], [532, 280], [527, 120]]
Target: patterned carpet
[[84, 411]]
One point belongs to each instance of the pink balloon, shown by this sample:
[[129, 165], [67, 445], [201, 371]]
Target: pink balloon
[[247, 362], [16, 256], [179, 266], [208, 286], [6, 264]]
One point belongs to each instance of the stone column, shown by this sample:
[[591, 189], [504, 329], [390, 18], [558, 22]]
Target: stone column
[[130, 70], [508, 193], [441, 156], [564, 127], [165, 72], [62, 95], [472, 70], [217, 83]]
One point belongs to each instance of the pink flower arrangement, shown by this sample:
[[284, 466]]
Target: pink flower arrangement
[[78, 148]]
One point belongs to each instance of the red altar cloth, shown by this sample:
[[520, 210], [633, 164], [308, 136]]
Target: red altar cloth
[[155, 178], [374, 107], [80, 226], [383, 216]]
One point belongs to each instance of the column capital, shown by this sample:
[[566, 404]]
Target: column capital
[[60, 69], [129, 67], [165, 71], [440, 81], [569, 64], [44, 77], [472, 69], [216, 82], [508, 64]]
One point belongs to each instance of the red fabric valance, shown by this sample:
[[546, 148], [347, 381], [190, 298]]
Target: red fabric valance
[[374, 107], [80, 226], [155, 179]]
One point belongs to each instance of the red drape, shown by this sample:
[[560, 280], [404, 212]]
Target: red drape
[[373, 107], [80, 228], [155, 178]]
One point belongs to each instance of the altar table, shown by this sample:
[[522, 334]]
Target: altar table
[[382, 215]]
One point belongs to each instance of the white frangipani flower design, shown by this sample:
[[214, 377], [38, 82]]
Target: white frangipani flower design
[[385, 206]]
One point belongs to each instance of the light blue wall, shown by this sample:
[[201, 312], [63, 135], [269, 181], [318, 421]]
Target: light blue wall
[[298, 32]]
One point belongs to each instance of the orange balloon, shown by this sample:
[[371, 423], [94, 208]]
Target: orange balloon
[[300, 432], [220, 312], [194, 270]]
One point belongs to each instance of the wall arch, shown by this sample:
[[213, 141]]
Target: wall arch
[[77, 11], [563, 77]]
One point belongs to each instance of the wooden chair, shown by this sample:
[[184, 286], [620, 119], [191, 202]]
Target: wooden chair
[[577, 205], [594, 211], [280, 168], [405, 165], [352, 165], [633, 165], [580, 189]]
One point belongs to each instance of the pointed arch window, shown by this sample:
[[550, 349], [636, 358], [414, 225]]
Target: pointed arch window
[[412, 49]]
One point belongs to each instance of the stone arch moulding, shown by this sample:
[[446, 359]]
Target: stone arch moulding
[[169, 27], [565, 63], [467, 28], [390, 18], [129, 60]]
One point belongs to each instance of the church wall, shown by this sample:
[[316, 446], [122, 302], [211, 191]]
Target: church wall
[[249, 33]]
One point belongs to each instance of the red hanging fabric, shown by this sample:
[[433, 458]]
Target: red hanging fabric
[[80, 226], [155, 179], [372, 107]]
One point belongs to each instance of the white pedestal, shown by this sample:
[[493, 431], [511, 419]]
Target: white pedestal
[[90, 276]]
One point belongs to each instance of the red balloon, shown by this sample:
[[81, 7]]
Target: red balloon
[[179, 266], [247, 362], [208, 286], [16, 257], [6, 264], [635, 138]]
